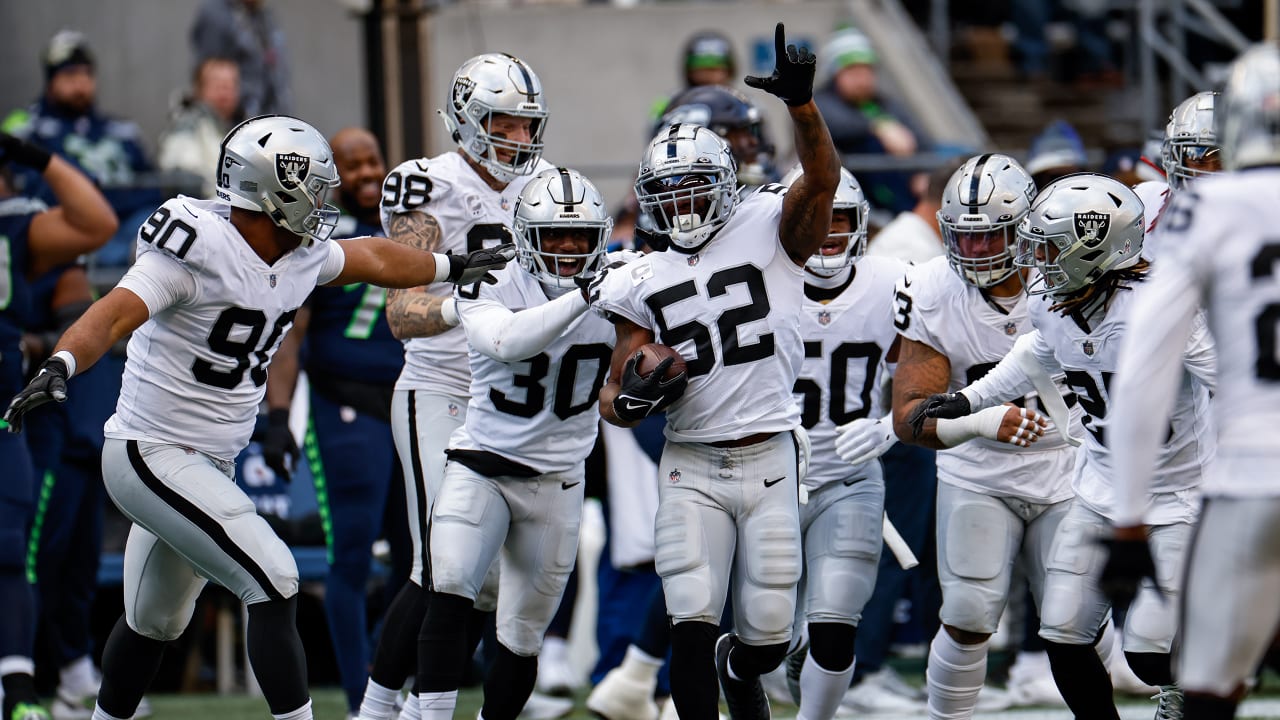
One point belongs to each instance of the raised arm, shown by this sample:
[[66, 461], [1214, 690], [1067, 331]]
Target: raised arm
[[806, 209]]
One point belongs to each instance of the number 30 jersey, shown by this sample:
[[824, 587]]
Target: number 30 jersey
[[938, 309], [539, 411], [197, 369], [471, 215], [732, 311]]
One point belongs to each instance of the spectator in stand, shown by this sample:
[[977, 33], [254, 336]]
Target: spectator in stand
[[707, 60], [246, 31], [201, 119], [66, 121], [862, 121], [914, 235], [1056, 152]]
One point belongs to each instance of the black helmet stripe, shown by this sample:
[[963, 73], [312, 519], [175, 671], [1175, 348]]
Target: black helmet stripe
[[671, 140], [975, 181], [566, 183], [528, 90]]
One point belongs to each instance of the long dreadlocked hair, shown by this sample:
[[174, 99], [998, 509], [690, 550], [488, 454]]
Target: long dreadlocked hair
[[1105, 288]]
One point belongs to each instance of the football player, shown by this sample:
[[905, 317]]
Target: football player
[[847, 327], [1219, 251], [34, 239], [352, 362], [216, 285], [999, 501], [513, 482], [1189, 151], [459, 201], [733, 117], [1084, 237], [727, 296]]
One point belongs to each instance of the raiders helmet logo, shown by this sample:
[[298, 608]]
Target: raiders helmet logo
[[1091, 227], [462, 90], [291, 169]]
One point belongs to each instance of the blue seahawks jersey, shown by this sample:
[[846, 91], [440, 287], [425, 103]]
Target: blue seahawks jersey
[[349, 336], [15, 293]]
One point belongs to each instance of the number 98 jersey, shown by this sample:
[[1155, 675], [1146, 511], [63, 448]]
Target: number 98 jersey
[[197, 369], [733, 312], [471, 215]]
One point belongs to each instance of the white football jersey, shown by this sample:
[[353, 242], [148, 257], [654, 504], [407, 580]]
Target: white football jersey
[[1221, 247], [733, 312], [197, 369], [845, 343], [471, 216], [1154, 195], [938, 309], [540, 411], [1089, 358]]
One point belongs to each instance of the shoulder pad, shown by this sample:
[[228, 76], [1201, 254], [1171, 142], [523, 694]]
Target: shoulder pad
[[174, 228], [413, 184]]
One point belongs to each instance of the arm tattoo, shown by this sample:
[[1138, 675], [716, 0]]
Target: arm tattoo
[[922, 371], [806, 209], [414, 312]]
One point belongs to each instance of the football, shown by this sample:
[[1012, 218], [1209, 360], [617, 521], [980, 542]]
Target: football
[[653, 353]]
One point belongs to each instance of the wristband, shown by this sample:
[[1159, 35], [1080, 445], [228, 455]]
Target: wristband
[[67, 359], [984, 423], [442, 267]]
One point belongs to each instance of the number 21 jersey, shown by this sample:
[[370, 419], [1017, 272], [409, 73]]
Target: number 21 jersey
[[197, 369]]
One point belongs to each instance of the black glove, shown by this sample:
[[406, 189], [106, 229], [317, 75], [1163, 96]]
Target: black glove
[[640, 397], [654, 240], [941, 405], [793, 71], [590, 286], [279, 449], [19, 151], [49, 385], [1128, 562], [477, 266]]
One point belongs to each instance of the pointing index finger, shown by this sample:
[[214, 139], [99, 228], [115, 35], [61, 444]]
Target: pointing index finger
[[780, 41]]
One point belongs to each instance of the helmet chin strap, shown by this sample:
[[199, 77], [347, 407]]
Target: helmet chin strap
[[824, 278]]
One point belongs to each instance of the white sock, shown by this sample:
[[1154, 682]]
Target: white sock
[[410, 711], [77, 673], [821, 690], [554, 650], [17, 665], [437, 705], [99, 714], [302, 713], [955, 676], [641, 666], [379, 702]]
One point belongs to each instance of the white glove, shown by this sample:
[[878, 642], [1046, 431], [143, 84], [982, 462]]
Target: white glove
[[865, 439]]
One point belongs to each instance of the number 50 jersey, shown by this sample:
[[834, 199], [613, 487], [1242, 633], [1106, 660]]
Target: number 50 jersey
[[733, 312], [197, 369], [471, 216]]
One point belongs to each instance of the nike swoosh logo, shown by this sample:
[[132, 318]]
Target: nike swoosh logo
[[771, 483], [634, 406], [847, 483], [906, 282], [567, 485]]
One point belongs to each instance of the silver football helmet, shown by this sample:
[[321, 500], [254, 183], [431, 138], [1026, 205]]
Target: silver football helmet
[[1249, 110], [982, 204], [688, 184], [281, 166], [1080, 227], [496, 84], [850, 200], [1190, 140], [557, 201]]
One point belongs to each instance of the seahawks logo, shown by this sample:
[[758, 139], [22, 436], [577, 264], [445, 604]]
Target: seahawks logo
[[292, 169], [1091, 227]]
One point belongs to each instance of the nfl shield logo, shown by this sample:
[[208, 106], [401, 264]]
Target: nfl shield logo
[[271, 280], [1011, 328], [506, 204], [1087, 347], [693, 260], [291, 169], [824, 317], [453, 410], [674, 476], [1091, 227]]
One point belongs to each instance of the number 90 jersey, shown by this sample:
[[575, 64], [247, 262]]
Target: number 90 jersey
[[197, 369], [471, 215], [845, 342], [733, 312], [938, 309], [539, 411]]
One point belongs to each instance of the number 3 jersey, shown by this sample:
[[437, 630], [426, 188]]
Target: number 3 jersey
[[539, 411], [732, 311], [938, 309], [197, 369], [845, 342], [471, 215]]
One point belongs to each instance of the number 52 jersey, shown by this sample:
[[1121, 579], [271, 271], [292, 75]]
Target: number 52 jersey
[[197, 369]]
